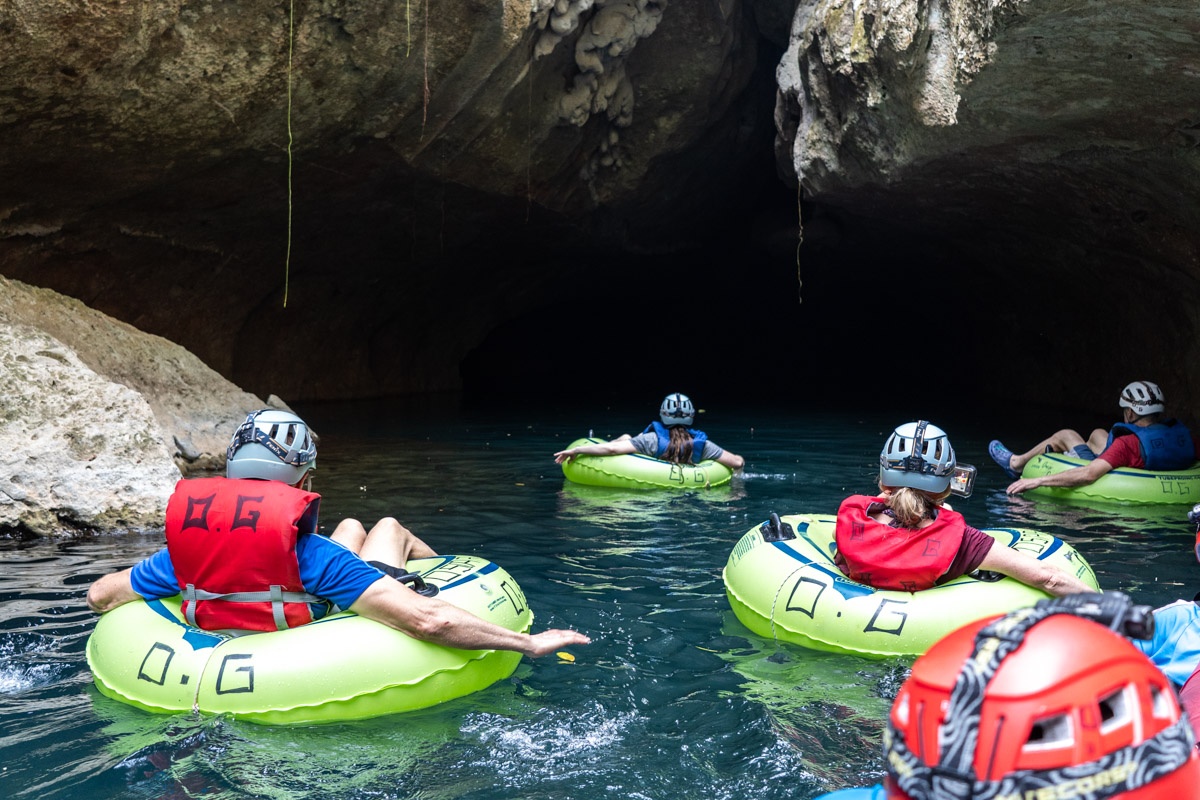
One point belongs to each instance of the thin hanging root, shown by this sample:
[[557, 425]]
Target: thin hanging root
[[799, 240], [529, 143], [425, 98], [287, 261]]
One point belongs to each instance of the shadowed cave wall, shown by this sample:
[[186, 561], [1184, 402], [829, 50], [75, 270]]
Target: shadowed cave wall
[[477, 239]]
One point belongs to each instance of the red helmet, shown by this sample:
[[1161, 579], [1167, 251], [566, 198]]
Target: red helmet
[[1039, 704]]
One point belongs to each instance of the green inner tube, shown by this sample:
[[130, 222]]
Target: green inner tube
[[338, 668], [633, 471], [1123, 485], [792, 591]]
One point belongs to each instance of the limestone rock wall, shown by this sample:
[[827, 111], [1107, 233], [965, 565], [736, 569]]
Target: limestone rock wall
[[154, 91], [144, 167], [861, 81], [77, 452], [196, 410], [1043, 151], [98, 419]]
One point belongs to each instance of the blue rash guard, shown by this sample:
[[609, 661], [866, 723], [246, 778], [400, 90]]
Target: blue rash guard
[[1175, 648], [327, 569]]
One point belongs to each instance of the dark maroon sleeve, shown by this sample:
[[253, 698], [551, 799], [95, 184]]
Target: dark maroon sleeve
[[974, 548]]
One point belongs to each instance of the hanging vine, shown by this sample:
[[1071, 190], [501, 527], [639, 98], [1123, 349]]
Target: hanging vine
[[287, 260], [799, 240], [425, 97]]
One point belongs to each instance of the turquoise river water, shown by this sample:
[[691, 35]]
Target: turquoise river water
[[674, 699]]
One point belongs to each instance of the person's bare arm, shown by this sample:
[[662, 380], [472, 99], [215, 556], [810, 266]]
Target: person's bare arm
[[111, 591], [1030, 571], [731, 460], [1076, 476], [432, 620], [614, 448]]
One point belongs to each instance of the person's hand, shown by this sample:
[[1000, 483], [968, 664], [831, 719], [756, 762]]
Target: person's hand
[[1024, 484], [549, 641], [565, 455]]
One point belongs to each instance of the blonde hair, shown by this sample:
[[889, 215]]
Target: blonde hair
[[912, 506]]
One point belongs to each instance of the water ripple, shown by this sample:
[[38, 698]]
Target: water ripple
[[674, 700]]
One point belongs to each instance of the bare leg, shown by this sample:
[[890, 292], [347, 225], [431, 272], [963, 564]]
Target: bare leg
[[1098, 440], [350, 534], [1060, 442], [393, 544]]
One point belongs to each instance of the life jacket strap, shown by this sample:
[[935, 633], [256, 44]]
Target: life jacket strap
[[276, 596]]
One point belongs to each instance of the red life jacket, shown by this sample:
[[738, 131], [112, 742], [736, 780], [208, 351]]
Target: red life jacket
[[233, 548], [895, 558]]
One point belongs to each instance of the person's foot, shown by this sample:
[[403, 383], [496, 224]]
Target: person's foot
[[1002, 456]]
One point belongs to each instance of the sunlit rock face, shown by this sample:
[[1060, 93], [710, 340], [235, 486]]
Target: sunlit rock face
[[196, 409], [452, 164], [1043, 153], [79, 452]]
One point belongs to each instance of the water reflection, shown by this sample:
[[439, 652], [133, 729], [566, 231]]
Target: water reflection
[[830, 707]]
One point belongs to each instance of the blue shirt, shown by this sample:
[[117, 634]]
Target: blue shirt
[[1175, 648], [875, 792], [327, 569]]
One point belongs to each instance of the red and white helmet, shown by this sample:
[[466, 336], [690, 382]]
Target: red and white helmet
[[1041, 703], [1143, 397]]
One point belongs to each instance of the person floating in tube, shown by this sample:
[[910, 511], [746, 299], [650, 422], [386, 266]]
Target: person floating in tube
[[1175, 646], [1144, 439], [257, 528], [1045, 702], [673, 439], [908, 539]]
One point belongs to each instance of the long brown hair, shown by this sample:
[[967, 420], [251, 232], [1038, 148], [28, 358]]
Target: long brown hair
[[679, 448], [912, 506]]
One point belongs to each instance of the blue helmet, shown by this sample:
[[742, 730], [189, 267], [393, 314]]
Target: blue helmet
[[917, 455], [271, 445], [677, 409]]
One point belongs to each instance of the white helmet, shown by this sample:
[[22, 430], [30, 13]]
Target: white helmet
[[1143, 397], [917, 455], [677, 409], [271, 445]]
